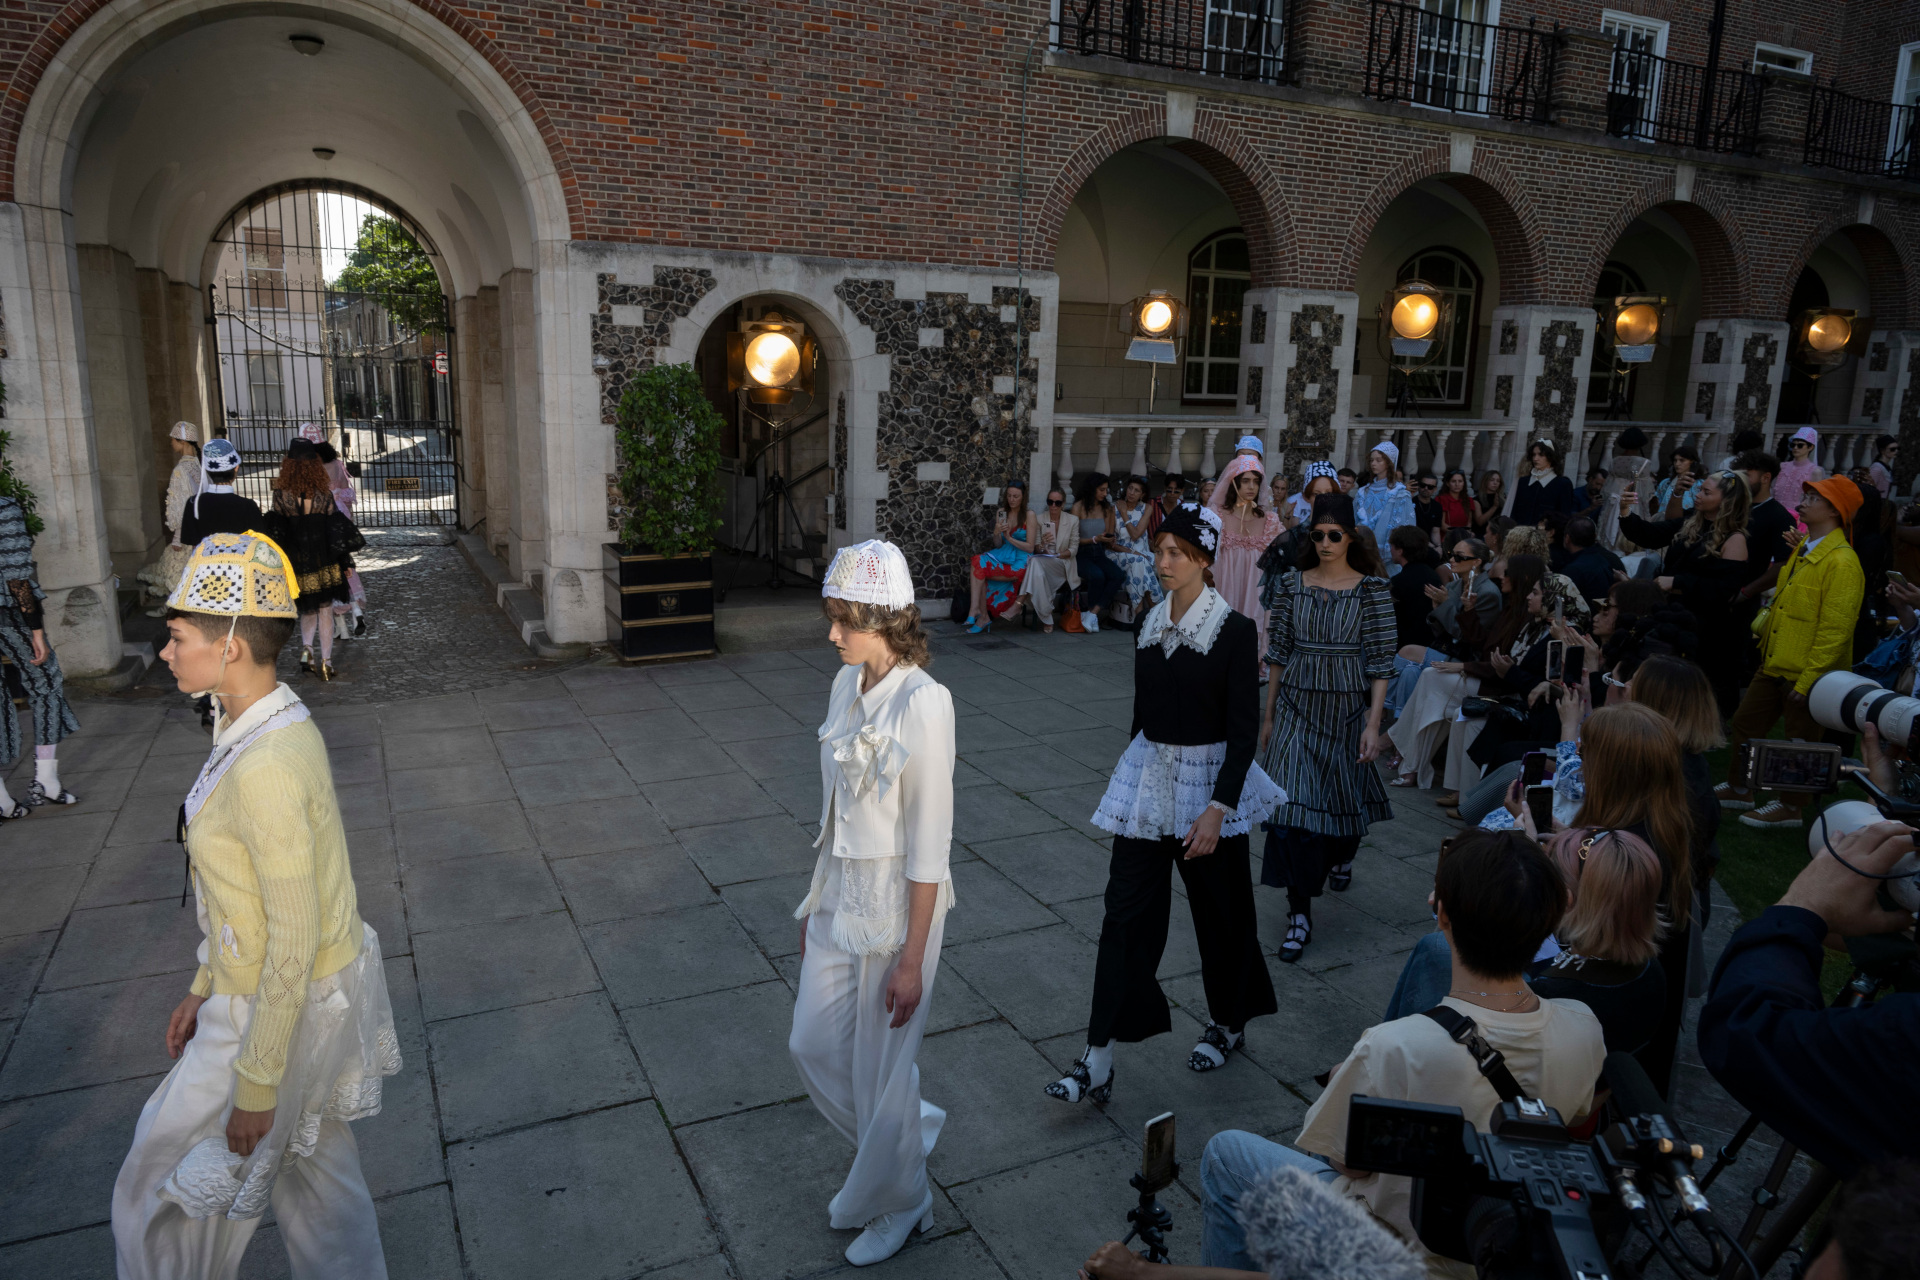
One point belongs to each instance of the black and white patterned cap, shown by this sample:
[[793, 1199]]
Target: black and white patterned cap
[[1198, 525]]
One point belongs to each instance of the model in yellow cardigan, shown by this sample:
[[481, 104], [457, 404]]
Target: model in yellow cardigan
[[287, 1029]]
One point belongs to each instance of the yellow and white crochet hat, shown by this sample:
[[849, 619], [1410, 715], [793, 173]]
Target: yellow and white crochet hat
[[237, 575]]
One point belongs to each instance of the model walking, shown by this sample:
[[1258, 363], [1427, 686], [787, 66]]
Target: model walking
[[182, 483], [871, 925], [1185, 793], [318, 541], [1246, 530], [23, 639], [1383, 504], [344, 495], [1330, 645], [286, 1031]]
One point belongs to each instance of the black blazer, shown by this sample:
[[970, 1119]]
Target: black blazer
[[1192, 699], [211, 513], [1531, 501]]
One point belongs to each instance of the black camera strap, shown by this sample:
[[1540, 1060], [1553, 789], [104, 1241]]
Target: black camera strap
[[1492, 1063]]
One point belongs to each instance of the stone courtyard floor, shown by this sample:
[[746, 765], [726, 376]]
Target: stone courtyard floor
[[583, 883]]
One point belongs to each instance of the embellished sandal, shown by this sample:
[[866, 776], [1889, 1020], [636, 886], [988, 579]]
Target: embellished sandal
[[1299, 934], [37, 796], [19, 811], [327, 671], [306, 658], [1216, 1042], [1404, 780], [1340, 878], [1078, 1086]]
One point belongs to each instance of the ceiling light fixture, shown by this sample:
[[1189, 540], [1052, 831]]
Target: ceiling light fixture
[[308, 46]]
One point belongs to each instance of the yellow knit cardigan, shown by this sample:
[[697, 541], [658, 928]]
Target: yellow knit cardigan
[[270, 864]]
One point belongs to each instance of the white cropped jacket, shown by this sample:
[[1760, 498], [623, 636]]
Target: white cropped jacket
[[886, 806]]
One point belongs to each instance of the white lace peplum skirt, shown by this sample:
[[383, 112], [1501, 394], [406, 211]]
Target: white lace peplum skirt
[[184, 1207], [861, 1072]]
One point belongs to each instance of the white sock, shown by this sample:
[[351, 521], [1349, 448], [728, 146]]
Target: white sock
[[1099, 1063], [6, 801], [46, 772]]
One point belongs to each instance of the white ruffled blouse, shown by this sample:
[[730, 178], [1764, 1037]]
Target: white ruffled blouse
[[886, 806]]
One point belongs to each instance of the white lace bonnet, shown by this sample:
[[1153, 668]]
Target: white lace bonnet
[[871, 572], [237, 574]]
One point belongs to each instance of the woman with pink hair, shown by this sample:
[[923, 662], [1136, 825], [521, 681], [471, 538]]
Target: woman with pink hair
[[1246, 530]]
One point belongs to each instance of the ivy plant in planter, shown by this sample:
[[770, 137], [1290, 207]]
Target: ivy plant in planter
[[659, 579]]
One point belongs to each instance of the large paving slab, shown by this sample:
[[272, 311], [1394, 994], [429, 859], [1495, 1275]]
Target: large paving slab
[[583, 878]]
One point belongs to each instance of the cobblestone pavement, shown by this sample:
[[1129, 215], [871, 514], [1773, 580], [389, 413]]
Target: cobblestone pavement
[[583, 884], [431, 629]]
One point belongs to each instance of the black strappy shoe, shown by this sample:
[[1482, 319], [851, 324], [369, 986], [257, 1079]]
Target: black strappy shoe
[[1340, 879], [1299, 934], [1220, 1041], [1078, 1086], [17, 811], [37, 796]]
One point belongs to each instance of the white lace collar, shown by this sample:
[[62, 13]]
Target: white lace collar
[[1196, 629]]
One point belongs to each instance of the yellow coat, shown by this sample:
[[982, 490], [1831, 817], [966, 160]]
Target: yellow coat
[[1809, 630], [270, 865]]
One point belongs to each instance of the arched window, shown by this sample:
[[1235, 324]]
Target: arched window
[[1218, 273], [1447, 383], [1616, 281]]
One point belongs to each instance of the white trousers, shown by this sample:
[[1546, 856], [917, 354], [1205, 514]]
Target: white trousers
[[320, 1202], [1422, 725], [861, 1072], [1462, 772]]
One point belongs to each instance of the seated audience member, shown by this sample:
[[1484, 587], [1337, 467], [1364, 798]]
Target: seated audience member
[[1489, 501], [1496, 535], [1349, 480], [1413, 589], [1055, 563], [998, 570], [1452, 629], [1706, 560], [1428, 516], [1554, 525], [1497, 896], [1588, 565], [1594, 497], [1871, 1230], [1742, 441], [1679, 691], [1561, 593], [1609, 940], [1456, 509], [1836, 1082]]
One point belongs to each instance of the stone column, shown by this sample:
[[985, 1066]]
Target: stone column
[[117, 383], [523, 476], [49, 412], [1882, 378], [1537, 377], [1733, 381], [1296, 360]]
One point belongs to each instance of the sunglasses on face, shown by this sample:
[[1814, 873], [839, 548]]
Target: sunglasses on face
[[1459, 559], [1056, 502], [1327, 535]]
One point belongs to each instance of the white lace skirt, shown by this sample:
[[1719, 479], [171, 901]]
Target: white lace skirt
[[1160, 790], [342, 1047]]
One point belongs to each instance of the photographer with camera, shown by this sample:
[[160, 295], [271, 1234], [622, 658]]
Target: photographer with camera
[[1808, 632], [1836, 1082], [1498, 896]]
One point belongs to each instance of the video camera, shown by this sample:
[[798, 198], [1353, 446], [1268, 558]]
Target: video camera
[[1527, 1200]]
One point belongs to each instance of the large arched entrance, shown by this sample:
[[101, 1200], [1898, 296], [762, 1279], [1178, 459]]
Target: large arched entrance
[[328, 316], [140, 165]]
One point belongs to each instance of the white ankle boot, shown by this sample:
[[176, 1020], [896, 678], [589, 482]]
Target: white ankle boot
[[886, 1233]]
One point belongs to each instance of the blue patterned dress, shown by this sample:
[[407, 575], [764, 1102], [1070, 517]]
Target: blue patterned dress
[[1142, 581], [1383, 507]]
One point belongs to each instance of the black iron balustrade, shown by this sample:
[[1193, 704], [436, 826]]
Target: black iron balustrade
[[1234, 39], [1429, 58], [1859, 135], [1654, 99]]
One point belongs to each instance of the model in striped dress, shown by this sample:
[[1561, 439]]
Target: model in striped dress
[[23, 639], [1330, 646]]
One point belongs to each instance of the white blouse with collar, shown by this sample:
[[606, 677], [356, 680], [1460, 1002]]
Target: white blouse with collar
[[886, 807]]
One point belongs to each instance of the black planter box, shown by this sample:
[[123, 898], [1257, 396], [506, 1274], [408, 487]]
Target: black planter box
[[659, 606]]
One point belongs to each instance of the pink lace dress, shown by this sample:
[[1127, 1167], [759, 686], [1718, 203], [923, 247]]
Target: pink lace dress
[[1236, 569]]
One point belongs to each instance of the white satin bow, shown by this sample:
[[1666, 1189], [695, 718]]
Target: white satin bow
[[869, 759]]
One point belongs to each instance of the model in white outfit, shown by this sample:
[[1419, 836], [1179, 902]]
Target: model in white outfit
[[873, 917]]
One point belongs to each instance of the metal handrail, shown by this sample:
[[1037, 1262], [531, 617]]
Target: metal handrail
[[1654, 99], [1425, 57], [1860, 135], [1234, 39]]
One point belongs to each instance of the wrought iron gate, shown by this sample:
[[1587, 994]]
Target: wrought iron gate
[[327, 317]]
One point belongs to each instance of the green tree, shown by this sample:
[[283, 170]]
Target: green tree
[[389, 266], [667, 439]]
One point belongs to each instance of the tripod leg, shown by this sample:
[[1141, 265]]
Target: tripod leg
[[1731, 1151], [1793, 1221], [1769, 1193]]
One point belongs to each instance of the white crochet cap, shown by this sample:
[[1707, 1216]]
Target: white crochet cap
[[1391, 450], [871, 572], [185, 431]]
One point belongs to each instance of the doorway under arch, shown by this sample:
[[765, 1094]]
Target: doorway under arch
[[328, 316]]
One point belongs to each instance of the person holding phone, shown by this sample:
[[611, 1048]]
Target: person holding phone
[[1704, 566], [1330, 647]]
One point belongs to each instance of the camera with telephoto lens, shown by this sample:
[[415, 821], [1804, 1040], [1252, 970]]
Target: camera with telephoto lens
[[1527, 1200]]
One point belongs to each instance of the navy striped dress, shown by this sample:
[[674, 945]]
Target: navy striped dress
[[1325, 648]]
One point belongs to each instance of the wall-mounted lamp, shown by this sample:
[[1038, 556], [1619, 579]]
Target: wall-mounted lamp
[[325, 153], [307, 46], [771, 359]]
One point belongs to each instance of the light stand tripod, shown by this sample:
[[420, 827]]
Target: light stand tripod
[[775, 496]]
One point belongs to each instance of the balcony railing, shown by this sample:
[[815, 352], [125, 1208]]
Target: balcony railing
[[1859, 135], [1233, 39], [1659, 100], [1431, 59]]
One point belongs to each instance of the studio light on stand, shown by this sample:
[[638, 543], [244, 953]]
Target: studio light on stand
[[1154, 323], [1823, 338], [1415, 319], [1632, 325], [770, 367]]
